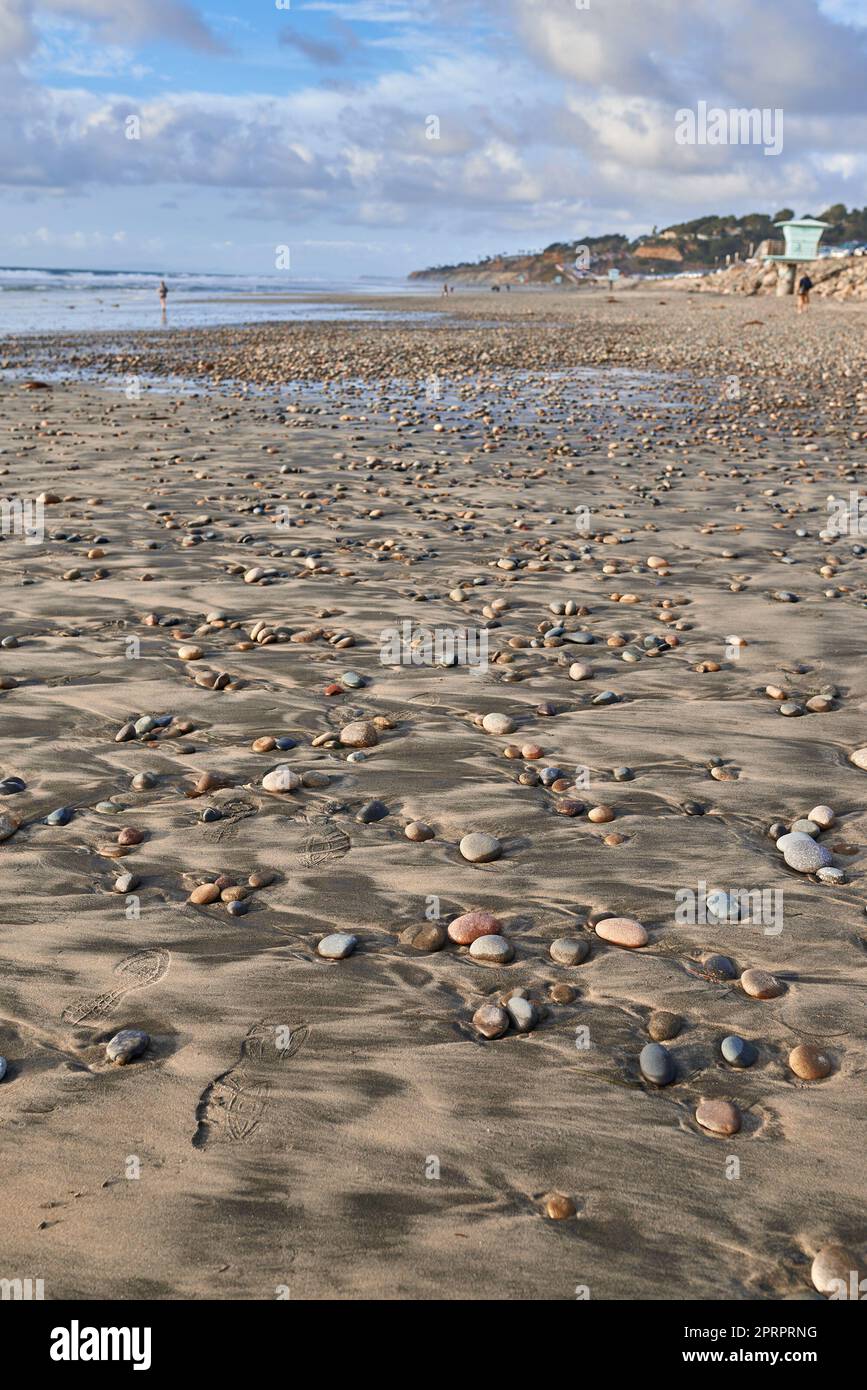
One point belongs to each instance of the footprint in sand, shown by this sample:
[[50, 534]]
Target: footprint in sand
[[234, 1104], [325, 843], [137, 971]]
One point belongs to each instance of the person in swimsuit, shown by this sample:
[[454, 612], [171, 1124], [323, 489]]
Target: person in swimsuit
[[163, 293], [805, 284]]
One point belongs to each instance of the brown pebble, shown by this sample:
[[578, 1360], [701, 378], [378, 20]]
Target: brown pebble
[[205, 893], [622, 931], [761, 984], [718, 1116], [235, 894], [424, 936], [417, 830], [263, 745], [562, 994], [809, 1063], [558, 1207], [130, 836], [600, 814], [663, 1025], [491, 1021]]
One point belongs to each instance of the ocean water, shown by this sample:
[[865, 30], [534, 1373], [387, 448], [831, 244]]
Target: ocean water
[[69, 301]]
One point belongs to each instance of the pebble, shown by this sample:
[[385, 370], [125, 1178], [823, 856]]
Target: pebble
[[622, 931], [361, 733], [718, 1116], [10, 786], [558, 1207], [523, 1014], [496, 950], [125, 883], [190, 653], [205, 893], [424, 936], [466, 929], [4, 1066], [352, 680], [737, 1051], [262, 878], [663, 1025], [809, 1063], [479, 848], [418, 831], [372, 811], [656, 1064], [805, 826], [722, 906], [143, 781], [491, 1021], [337, 945], [281, 779], [792, 708], [599, 815], [62, 816], [498, 724], [801, 852], [760, 984], [831, 1265], [128, 1043], [569, 950], [314, 778], [578, 671], [8, 825], [822, 816], [832, 875], [130, 836], [859, 758], [562, 994], [717, 968]]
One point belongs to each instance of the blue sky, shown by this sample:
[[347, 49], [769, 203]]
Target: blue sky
[[309, 127]]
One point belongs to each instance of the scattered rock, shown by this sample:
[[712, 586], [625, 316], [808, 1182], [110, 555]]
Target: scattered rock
[[479, 848], [337, 945], [493, 949], [809, 1063], [569, 950], [622, 931], [718, 1116], [128, 1043]]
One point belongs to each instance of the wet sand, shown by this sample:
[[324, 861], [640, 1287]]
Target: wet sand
[[318, 1129]]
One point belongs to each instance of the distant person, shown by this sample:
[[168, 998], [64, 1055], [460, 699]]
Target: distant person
[[805, 284], [163, 293], [445, 289]]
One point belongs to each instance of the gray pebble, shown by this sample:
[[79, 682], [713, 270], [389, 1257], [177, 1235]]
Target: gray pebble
[[802, 853], [522, 1013], [128, 1043], [656, 1064], [480, 848], [569, 950], [337, 945], [738, 1052]]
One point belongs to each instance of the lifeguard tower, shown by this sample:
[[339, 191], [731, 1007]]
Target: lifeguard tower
[[801, 237]]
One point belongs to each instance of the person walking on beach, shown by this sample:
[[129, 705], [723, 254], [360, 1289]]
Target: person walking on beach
[[805, 284], [163, 293]]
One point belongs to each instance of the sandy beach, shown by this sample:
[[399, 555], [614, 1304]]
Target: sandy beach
[[624, 495]]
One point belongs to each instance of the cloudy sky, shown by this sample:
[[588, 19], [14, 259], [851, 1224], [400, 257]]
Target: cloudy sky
[[307, 124]]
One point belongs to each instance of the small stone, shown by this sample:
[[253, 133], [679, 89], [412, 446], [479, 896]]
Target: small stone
[[143, 781], [717, 968], [467, 928], [562, 994], [792, 708], [494, 949], [809, 1063], [622, 931], [237, 907], [656, 1064], [418, 831], [558, 1207], [692, 808], [352, 680], [831, 1272], [236, 892], [361, 733], [130, 836], [480, 848], [737, 1051], [281, 779], [125, 883], [337, 945], [8, 825], [314, 778], [569, 950], [62, 816], [579, 671], [718, 1116], [205, 893], [722, 906], [372, 811], [859, 758], [760, 984], [498, 724], [491, 1021], [424, 936], [4, 1066], [264, 744], [261, 878], [822, 816], [190, 653], [802, 853], [600, 814], [804, 826], [128, 1043], [832, 875], [662, 1025], [522, 1013]]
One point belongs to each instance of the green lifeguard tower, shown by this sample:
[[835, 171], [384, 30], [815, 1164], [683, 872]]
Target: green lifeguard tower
[[801, 237]]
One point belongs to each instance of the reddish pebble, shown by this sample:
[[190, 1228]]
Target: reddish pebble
[[130, 836], [468, 928], [622, 931], [333, 689], [718, 1116], [760, 984]]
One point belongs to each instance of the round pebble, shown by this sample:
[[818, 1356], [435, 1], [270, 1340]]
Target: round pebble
[[491, 1021], [760, 984], [663, 1025], [205, 893], [479, 848], [569, 950], [801, 852], [498, 724], [656, 1064], [809, 1063], [558, 1207], [622, 931], [361, 733], [718, 1116], [822, 816], [337, 945], [738, 1052], [466, 929], [281, 779], [493, 949], [371, 812], [832, 1269], [128, 1043], [424, 936], [523, 1014]]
